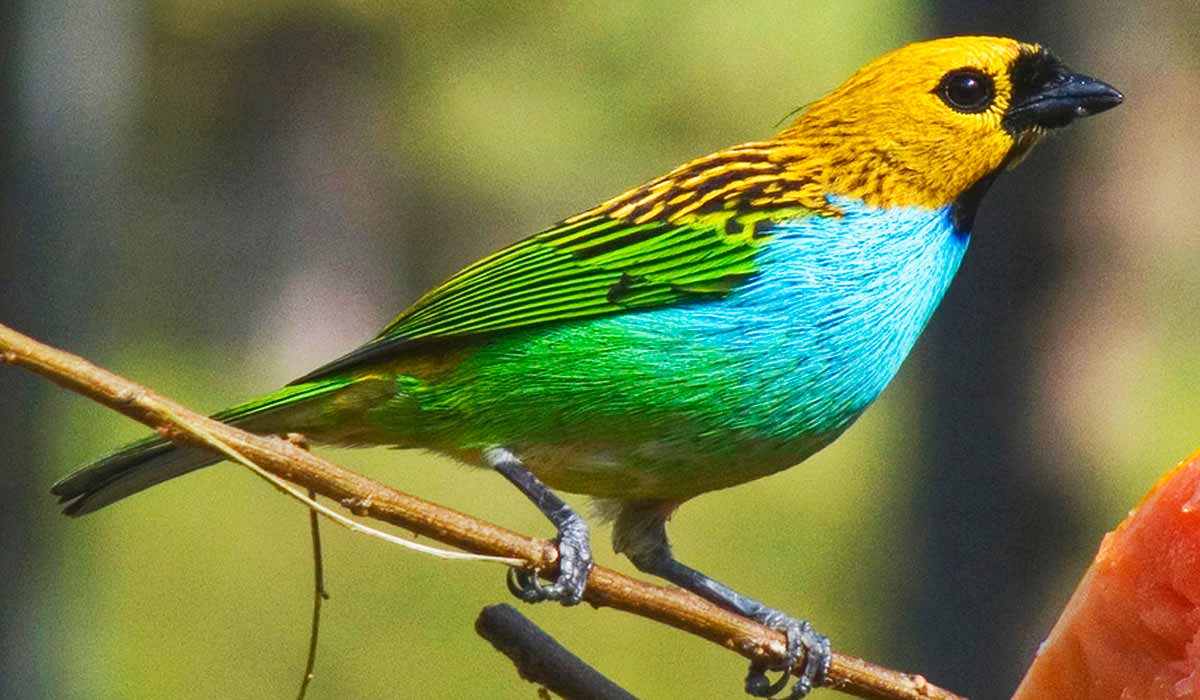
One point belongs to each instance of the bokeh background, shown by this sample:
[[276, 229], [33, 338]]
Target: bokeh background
[[215, 197]]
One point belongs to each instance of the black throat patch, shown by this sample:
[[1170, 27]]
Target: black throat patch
[[963, 210]]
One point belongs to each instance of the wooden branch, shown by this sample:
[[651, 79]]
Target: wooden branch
[[540, 659], [368, 498]]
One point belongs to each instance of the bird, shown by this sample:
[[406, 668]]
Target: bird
[[709, 327]]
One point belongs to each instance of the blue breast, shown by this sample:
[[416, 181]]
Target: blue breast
[[840, 303], [824, 326]]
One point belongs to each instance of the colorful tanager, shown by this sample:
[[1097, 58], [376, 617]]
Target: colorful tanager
[[712, 326]]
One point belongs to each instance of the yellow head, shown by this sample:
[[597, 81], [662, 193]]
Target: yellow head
[[925, 123]]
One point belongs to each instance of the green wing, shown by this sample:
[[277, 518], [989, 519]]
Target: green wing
[[596, 266], [585, 267]]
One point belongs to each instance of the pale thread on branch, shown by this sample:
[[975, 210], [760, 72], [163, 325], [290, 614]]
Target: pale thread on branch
[[368, 498]]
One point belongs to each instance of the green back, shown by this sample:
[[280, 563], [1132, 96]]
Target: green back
[[586, 267]]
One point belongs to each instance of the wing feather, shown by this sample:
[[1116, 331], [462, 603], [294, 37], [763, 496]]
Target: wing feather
[[584, 268], [670, 242]]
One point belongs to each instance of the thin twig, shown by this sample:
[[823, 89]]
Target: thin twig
[[365, 497], [319, 596], [540, 659], [206, 438]]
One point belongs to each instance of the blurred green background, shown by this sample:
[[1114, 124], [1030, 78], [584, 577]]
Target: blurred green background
[[215, 197]]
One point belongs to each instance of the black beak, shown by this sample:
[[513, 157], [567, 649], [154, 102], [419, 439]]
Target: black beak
[[1047, 95]]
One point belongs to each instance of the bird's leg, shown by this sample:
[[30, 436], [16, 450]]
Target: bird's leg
[[574, 538], [652, 554]]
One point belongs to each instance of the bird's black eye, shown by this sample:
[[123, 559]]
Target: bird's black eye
[[967, 90]]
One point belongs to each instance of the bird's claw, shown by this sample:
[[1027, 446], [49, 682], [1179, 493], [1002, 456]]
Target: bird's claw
[[574, 565], [524, 584], [801, 638]]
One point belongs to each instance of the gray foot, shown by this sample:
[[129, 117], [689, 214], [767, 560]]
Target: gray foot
[[574, 564], [801, 639], [574, 538]]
